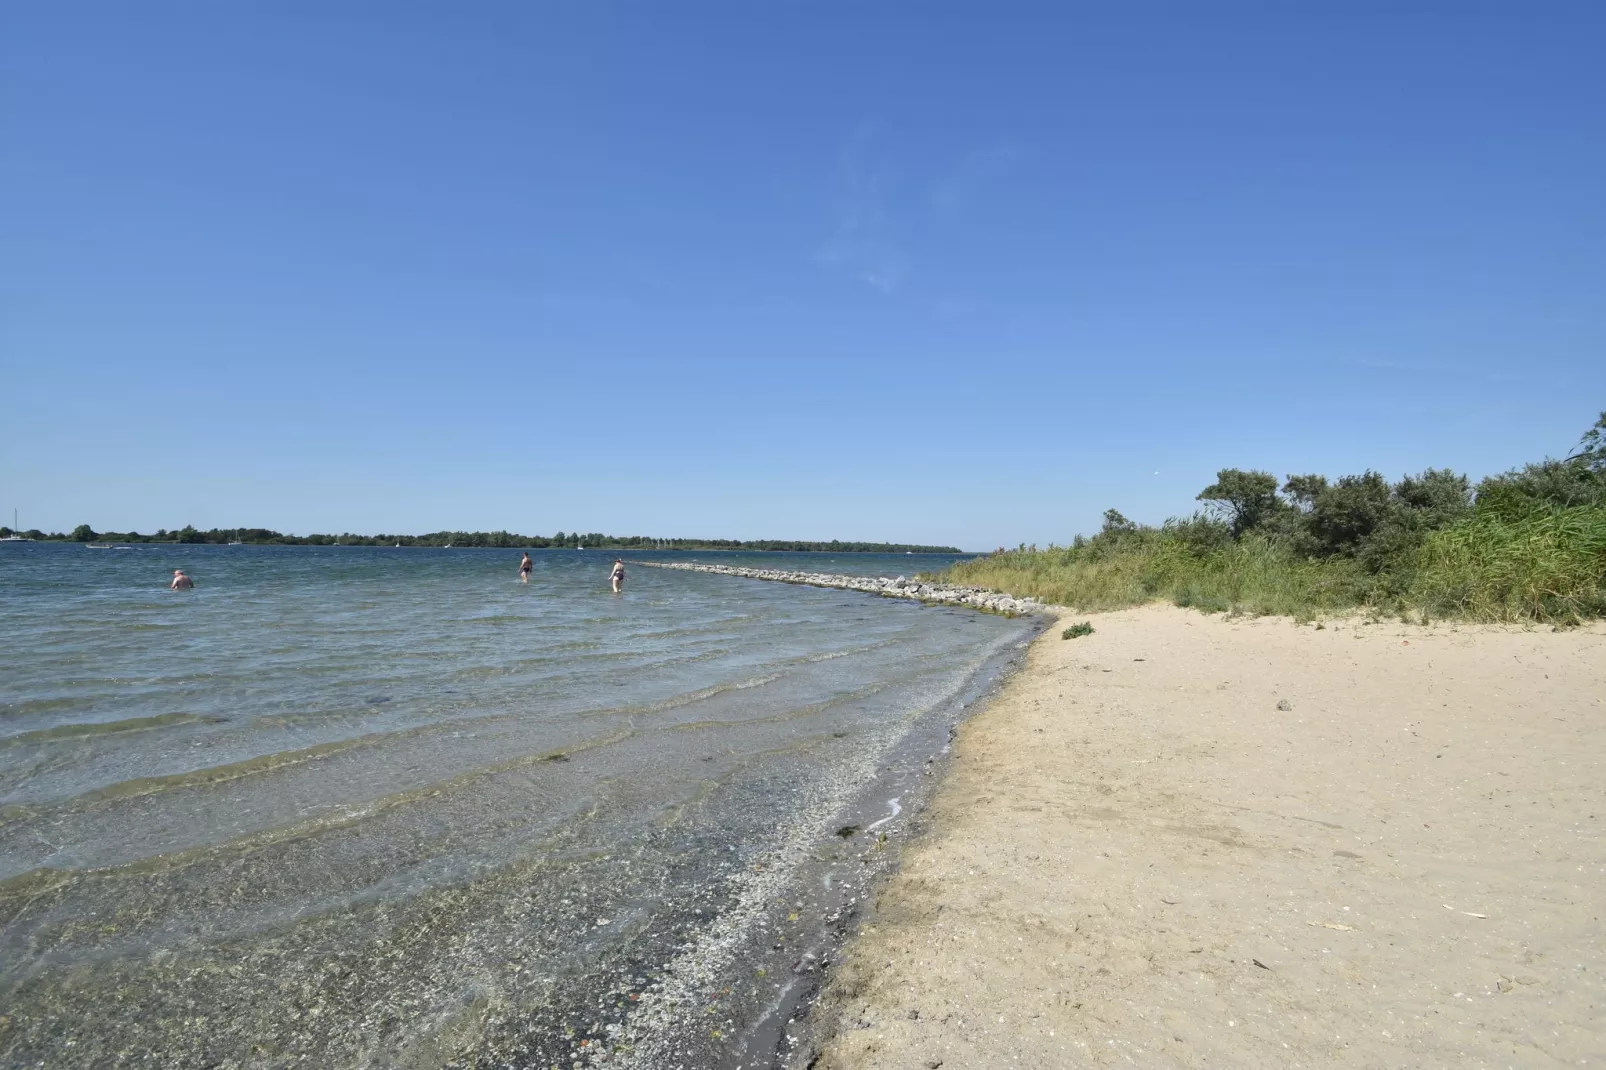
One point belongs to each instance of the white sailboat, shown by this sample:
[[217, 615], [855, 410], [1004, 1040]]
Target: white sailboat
[[14, 537]]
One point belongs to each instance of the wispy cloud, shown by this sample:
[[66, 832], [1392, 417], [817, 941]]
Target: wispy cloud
[[869, 238], [860, 241], [969, 180]]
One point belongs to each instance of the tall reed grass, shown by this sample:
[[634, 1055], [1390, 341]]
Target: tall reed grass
[[1548, 566]]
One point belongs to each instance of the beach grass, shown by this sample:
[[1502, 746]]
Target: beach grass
[[1525, 545], [1548, 566], [1254, 576], [1543, 566]]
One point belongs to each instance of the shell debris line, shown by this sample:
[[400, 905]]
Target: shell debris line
[[900, 587]]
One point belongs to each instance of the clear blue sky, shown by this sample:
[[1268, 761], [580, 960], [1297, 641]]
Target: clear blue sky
[[966, 274]]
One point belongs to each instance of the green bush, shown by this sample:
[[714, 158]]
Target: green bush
[[1076, 631], [1531, 544], [1549, 483], [1247, 500]]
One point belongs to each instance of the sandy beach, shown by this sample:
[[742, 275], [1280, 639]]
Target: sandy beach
[[1194, 841]]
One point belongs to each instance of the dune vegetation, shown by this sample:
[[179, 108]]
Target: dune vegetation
[[1528, 544]]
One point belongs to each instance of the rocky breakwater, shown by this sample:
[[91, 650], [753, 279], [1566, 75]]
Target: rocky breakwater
[[918, 590]]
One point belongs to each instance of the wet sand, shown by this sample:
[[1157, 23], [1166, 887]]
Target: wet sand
[[1191, 841]]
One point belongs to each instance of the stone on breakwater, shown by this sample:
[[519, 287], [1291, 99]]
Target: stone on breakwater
[[939, 593]]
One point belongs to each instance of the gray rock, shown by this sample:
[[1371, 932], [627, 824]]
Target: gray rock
[[900, 587]]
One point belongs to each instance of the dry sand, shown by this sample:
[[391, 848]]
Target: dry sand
[[1190, 841]]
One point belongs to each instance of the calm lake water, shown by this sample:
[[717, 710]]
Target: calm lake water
[[379, 807]]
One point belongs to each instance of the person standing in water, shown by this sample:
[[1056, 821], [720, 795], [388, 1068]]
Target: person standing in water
[[180, 582], [617, 576], [524, 568]]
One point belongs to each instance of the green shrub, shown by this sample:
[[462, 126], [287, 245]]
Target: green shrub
[[1530, 545], [1076, 631], [1246, 500], [1565, 484]]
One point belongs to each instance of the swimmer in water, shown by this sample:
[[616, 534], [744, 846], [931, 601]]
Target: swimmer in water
[[617, 576], [524, 568], [180, 582]]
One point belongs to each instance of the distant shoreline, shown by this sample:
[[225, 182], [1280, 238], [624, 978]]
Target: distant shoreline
[[495, 540]]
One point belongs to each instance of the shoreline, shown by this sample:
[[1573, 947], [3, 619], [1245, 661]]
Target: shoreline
[[563, 876], [1200, 841], [879, 814], [792, 917], [940, 594]]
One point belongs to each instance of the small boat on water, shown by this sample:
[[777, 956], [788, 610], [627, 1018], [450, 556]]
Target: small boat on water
[[14, 537]]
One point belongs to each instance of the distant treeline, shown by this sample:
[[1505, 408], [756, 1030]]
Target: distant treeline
[[1526, 544], [499, 539]]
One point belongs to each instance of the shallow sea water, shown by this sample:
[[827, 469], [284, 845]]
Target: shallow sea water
[[379, 807]]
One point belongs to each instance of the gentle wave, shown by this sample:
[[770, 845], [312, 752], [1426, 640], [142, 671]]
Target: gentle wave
[[275, 761], [337, 817], [410, 769], [210, 775], [65, 732]]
